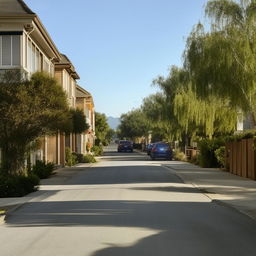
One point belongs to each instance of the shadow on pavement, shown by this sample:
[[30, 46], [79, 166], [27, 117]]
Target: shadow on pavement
[[183, 228], [169, 189], [125, 175]]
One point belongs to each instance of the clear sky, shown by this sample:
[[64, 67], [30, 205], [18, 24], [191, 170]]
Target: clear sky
[[119, 46]]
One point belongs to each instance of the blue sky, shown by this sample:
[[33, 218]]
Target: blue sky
[[119, 46]]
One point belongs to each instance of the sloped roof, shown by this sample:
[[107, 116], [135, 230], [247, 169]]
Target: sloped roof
[[64, 59], [67, 64], [81, 92], [14, 7]]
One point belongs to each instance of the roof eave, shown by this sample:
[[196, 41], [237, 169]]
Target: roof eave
[[47, 37]]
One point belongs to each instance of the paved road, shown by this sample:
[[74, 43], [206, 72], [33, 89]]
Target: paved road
[[125, 205]]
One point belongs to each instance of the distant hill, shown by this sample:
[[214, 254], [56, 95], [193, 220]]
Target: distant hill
[[113, 122]]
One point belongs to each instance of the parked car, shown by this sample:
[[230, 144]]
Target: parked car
[[125, 146], [149, 148], [161, 150]]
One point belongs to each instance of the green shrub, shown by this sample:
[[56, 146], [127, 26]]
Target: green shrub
[[179, 155], [71, 159], [194, 160], [207, 149], [97, 150], [79, 157], [18, 185], [89, 159], [243, 135], [43, 170], [220, 155]]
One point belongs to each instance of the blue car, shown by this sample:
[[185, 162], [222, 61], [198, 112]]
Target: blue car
[[161, 150]]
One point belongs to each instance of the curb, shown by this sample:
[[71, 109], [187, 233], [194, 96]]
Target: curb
[[9, 211], [208, 194], [6, 211], [230, 206]]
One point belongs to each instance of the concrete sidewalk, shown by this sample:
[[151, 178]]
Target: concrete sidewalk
[[60, 177], [220, 186]]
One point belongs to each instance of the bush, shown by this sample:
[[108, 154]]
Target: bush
[[18, 185], [89, 159], [220, 155], [179, 155], [71, 159], [207, 149], [43, 170], [194, 160], [84, 158], [97, 150], [79, 157]]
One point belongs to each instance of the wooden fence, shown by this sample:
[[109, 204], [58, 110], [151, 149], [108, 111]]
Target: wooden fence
[[241, 158]]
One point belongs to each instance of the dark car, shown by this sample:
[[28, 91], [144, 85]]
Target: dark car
[[149, 148], [161, 150], [125, 146]]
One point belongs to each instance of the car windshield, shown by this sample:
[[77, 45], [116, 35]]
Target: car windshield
[[123, 142], [164, 146]]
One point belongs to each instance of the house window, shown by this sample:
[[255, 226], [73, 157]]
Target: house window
[[29, 55], [46, 65], [9, 50], [33, 60]]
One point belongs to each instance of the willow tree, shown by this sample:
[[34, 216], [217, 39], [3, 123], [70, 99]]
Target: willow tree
[[189, 114], [163, 125], [208, 117], [222, 62]]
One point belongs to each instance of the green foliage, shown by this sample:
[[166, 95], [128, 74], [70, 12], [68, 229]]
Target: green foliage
[[244, 135], [80, 158], [42, 169], [110, 135], [222, 62], [18, 185], [179, 155], [220, 155], [97, 150], [207, 157], [177, 113], [194, 160], [28, 109], [79, 124], [89, 159], [71, 159], [133, 124], [101, 129]]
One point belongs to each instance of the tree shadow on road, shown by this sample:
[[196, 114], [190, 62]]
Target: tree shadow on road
[[182, 228]]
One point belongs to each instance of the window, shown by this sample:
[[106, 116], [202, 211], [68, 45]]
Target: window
[[46, 65], [38, 68], [9, 50], [33, 60], [29, 56], [6, 50], [15, 50]]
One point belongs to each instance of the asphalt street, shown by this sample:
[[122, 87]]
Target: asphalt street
[[125, 205]]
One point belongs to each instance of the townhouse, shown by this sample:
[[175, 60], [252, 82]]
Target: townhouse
[[25, 44], [84, 101]]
